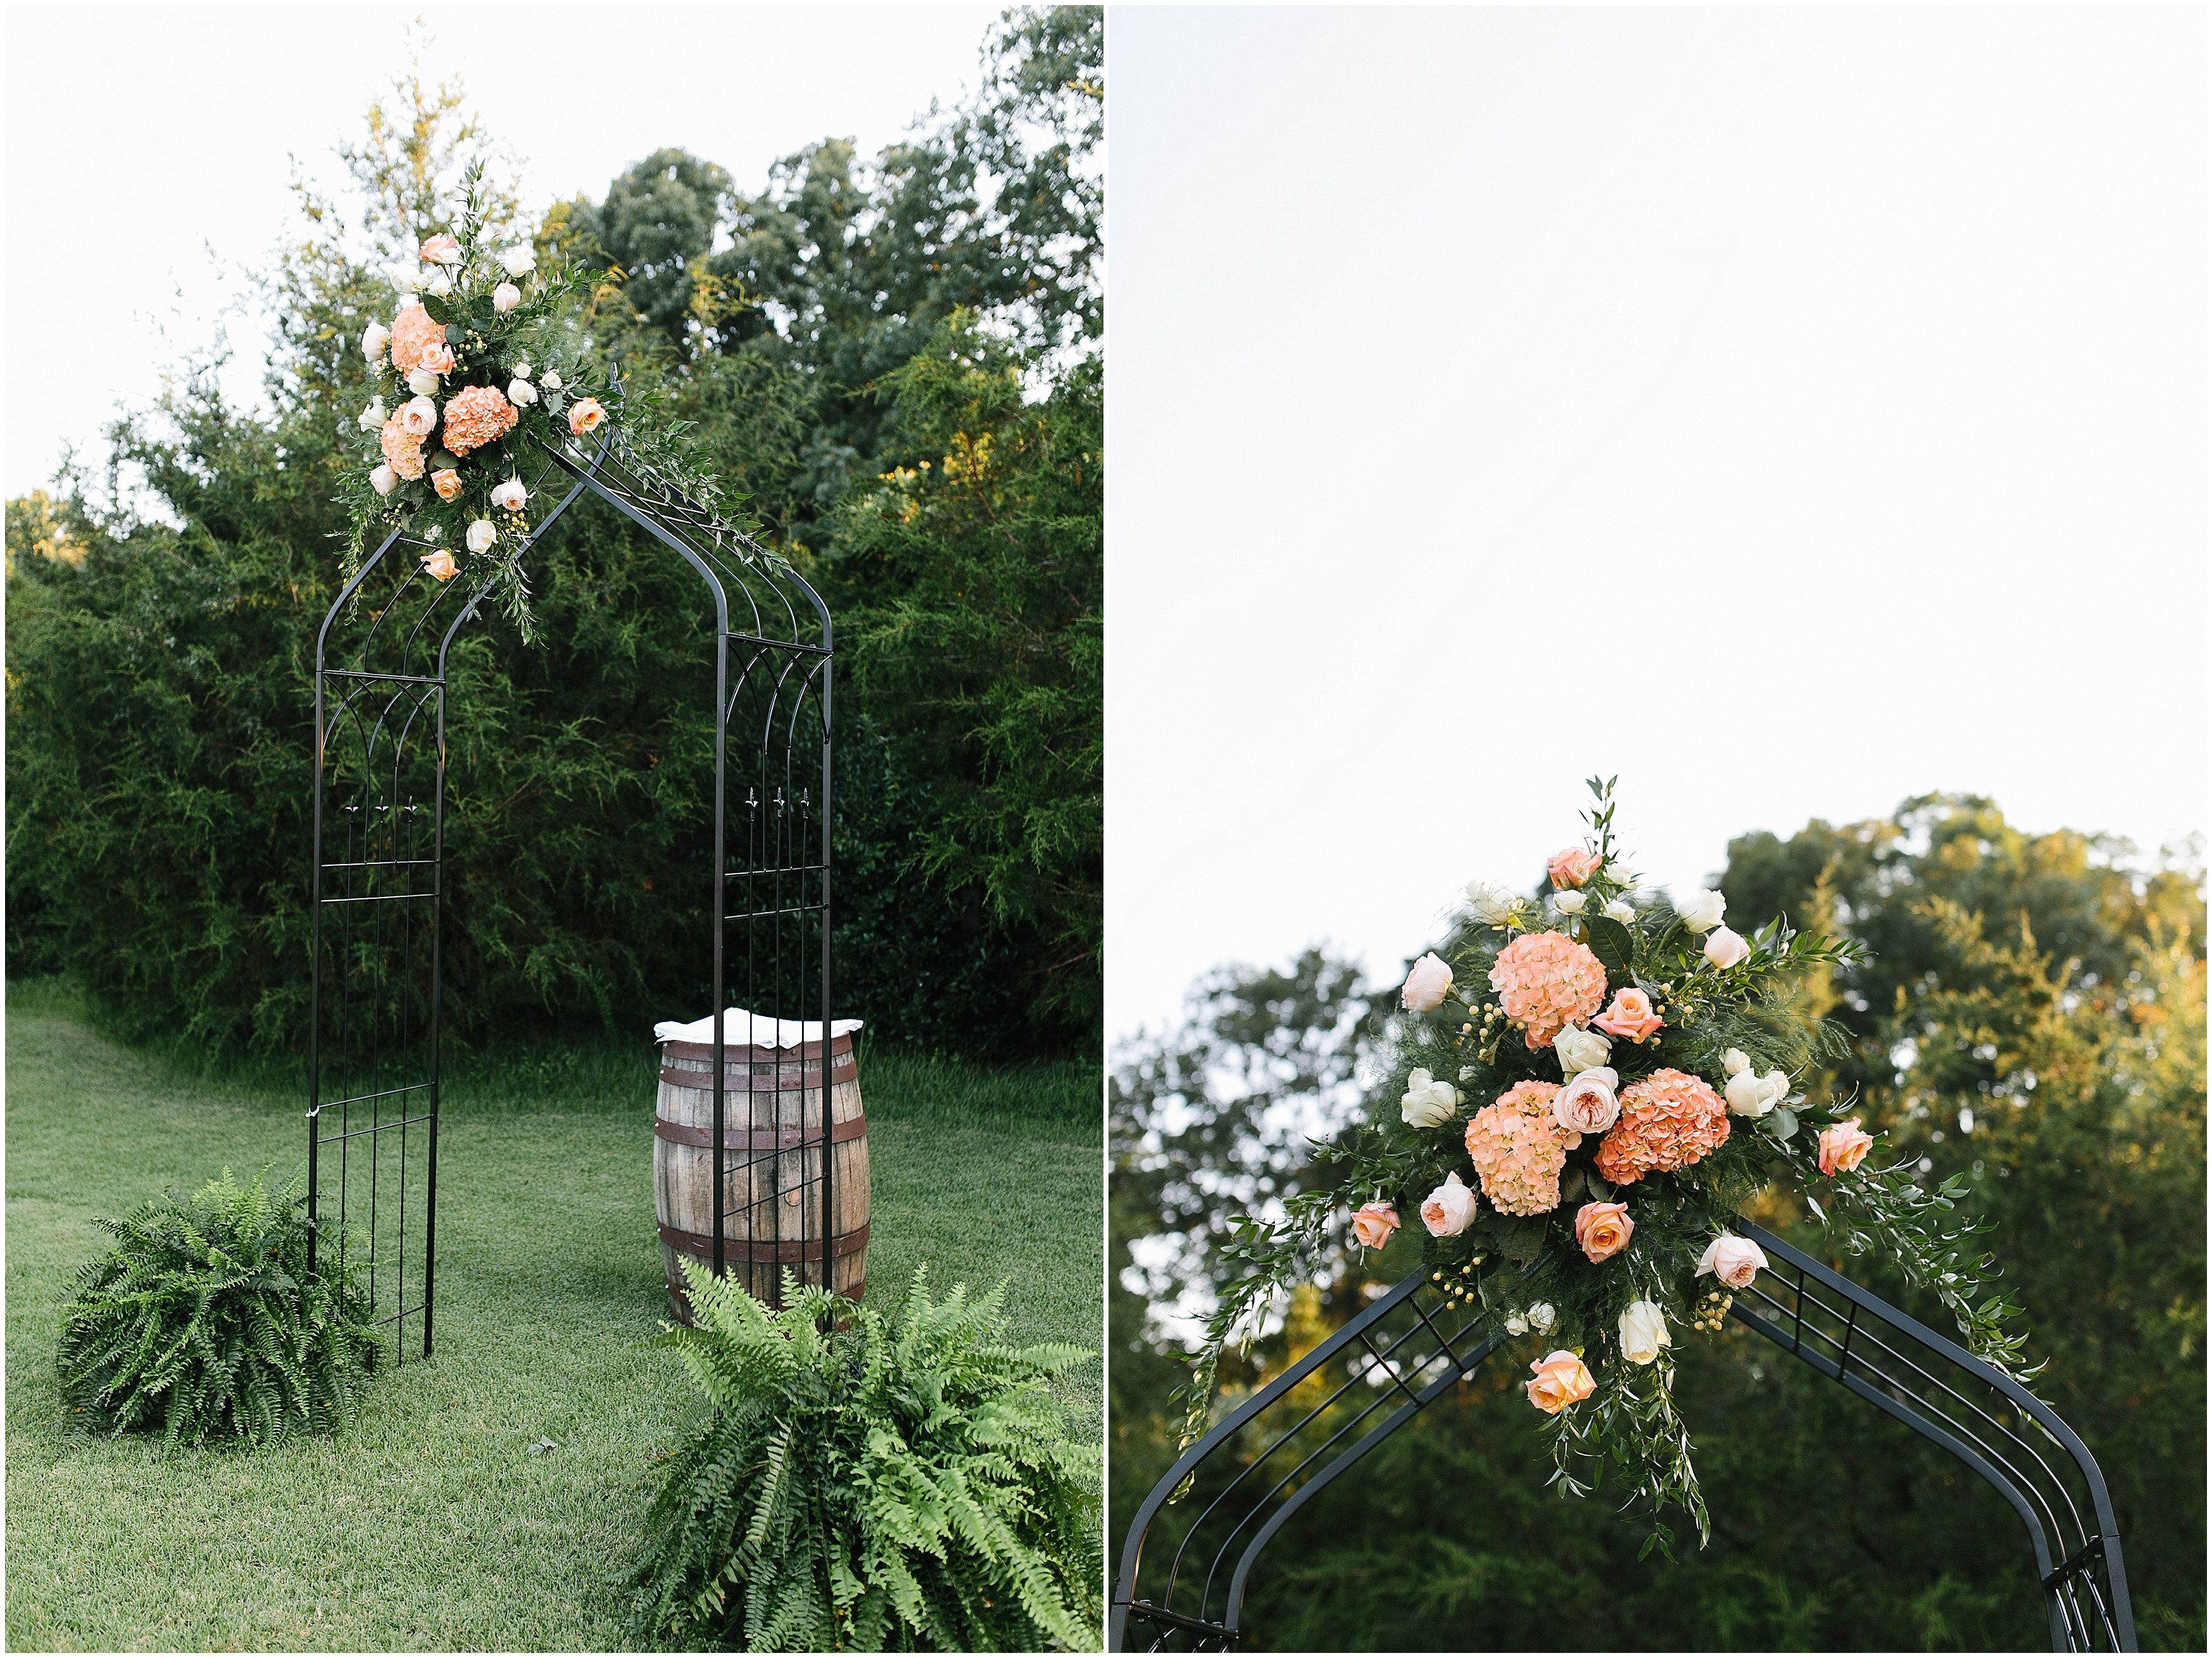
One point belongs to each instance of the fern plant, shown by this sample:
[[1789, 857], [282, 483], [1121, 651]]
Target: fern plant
[[890, 1484], [205, 1321]]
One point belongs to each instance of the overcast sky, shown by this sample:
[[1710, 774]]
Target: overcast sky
[[1790, 411], [138, 137]]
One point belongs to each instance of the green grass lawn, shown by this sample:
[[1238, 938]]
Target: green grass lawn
[[427, 1522]]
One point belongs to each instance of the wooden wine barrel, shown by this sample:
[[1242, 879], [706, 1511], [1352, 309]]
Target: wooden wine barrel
[[772, 1164]]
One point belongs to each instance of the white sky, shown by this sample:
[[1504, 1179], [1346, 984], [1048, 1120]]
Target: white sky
[[140, 137], [1789, 410]]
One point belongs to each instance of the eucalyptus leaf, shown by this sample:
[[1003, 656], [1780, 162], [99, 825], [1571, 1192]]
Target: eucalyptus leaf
[[1782, 1122]]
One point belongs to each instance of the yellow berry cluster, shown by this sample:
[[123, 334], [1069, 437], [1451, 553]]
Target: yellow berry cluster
[[1494, 1025], [1709, 1312], [1456, 1294]]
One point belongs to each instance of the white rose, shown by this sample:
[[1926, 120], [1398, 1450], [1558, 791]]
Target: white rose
[[439, 284], [519, 260], [1725, 948], [1644, 1333], [1427, 1102], [406, 278], [1733, 1260], [1492, 902], [1622, 911], [1426, 981], [1586, 1102], [1541, 1317], [1701, 910], [481, 534], [1515, 1324], [1736, 1061], [522, 369], [417, 416], [372, 418], [550, 380], [1743, 1096], [510, 495], [1570, 901], [1449, 1209], [373, 339], [522, 393], [1579, 1049], [1620, 875], [421, 382], [506, 297], [383, 480]]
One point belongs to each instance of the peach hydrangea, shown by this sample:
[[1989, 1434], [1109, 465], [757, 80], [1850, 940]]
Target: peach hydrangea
[[402, 449], [414, 332], [1518, 1148], [477, 416], [1669, 1120], [1545, 982]]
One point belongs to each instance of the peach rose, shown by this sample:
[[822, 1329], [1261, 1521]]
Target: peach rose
[[1425, 984], [440, 564], [585, 416], [447, 483], [1603, 1230], [1733, 1260], [437, 359], [441, 250], [1587, 1104], [1630, 1015], [1843, 1147], [1561, 1379], [1372, 1224], [417, 417], [1572, 867]]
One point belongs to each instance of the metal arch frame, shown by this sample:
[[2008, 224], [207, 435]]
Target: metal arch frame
[[724, 557], [1795, 1304]]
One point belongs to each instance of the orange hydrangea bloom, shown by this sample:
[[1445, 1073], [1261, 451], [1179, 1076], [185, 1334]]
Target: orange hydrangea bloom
[[1669, 1120], [476, 417], [414, 332], [1518, 1148], [1545, 982]]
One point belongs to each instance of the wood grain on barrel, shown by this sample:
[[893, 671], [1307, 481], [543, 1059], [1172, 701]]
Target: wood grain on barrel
[[772, 1158]]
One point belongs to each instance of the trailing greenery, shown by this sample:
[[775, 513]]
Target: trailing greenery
[[161, 638], [902, 1483], [207, 1321]]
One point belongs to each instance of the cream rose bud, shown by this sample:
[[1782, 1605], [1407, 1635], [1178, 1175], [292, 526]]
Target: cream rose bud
[[373, 339], [406, 278], [1733, 1260], [1644, 1333], [1622, 911], [383, 480], [550, 380], [506, 297], [439, 286], [1570, 903], [1701, 911], [1579, 1049], [481, 534], [1587, 1104], [522, 369], [1492, 902], [1449, 1209], [510, 495], [1735, 1060], [1725, 948], [1425, 984], [522, 393], [1748, 1096], [518, 260], [1427, 1103], [1542, 1317], [418, 416], [372, 418], [421, 382], [1515, 1324]]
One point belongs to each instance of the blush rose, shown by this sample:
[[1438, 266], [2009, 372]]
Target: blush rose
[[1843, 1147], [1630, 1015]]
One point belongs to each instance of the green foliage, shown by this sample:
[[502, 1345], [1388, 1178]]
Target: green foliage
[[208, 1320], [2082, 1072], [160, 653], [903, 1484]]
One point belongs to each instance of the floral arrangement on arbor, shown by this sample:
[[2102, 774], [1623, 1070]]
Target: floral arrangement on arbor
[[1588, 1085]]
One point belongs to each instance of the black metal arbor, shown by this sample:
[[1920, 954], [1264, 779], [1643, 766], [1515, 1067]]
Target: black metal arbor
[[379, 885], [1281, 1450]]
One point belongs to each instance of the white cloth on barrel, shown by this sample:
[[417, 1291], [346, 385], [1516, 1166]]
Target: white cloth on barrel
[[742, 1029]]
